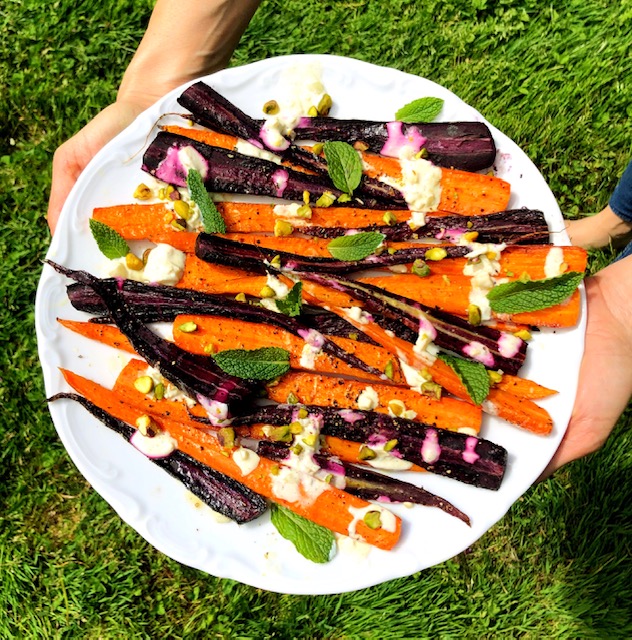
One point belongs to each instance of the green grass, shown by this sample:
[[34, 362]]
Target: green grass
[[556, 78]]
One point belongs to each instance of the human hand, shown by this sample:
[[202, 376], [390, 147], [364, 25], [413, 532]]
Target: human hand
[[72, 156], [605, 375]]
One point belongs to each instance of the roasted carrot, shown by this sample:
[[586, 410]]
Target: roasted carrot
[[146, 222], [311, 388], [451, 294], [519, 411], [230, 333], [104, 333], [462, 192], [208, 277], [322, 503], [349, 451]]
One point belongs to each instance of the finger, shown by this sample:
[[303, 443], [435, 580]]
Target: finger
[[65, 174]]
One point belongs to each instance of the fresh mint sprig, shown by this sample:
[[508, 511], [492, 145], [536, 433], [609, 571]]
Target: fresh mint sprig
[[344, 165], [355, 247], [473, 375], [312, 541], [420, 110], [254, 364], [291, 304], [211, 218], [533, 295], [111, 244]]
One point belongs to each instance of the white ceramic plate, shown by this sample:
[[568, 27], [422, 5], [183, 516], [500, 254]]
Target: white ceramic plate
[[156, 505]]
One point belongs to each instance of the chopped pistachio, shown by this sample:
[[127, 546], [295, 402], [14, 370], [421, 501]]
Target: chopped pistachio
[[146, 425], [523, 334], [436, 253], [146, 255], [469, 224], [372, 519], [389, 218], [366, 453], [179, 224], [389, 370], [311, 439], [524, 277], [325, 104], [328, 478], [280, 434], [267, 292], [282, 228], [295, 428], [318, 148], [182, 208], [390, 445], [168, 217], [144, 384], [292, 399], [304, 212], [431, 389], [396, 407], [420, 268], [143, 192], [271, 108], [296, 449], [344, 197], [491, 255], [209, 349], [326, 200], [240, 297], [354, 336], [312, 112], [306, 197], [133, 262], [470, 236], [494, 376], [302, 413], [275, 469], [188, 327], [422, 153], [358, 145], [226, 437], [159, 391], [276, 261], [474, 315], [162, 193]]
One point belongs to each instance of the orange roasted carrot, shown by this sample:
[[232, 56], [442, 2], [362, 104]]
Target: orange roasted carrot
[[462, 192], [104, 333], [523, 388], [516, 410], [451, 294], [349, 451], [208, 277], [311, 388], [327, 506], [145, 222], [231, 333]]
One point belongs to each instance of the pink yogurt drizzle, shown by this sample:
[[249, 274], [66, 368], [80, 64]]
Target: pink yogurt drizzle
[[430, 449], [470, 455], [397, 140], [264, 135], [479, 352], [509, 345], [426, 327], [279, 179], [350, 416], [171, 169]]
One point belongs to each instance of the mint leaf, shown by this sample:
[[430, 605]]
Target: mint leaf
[[211, 218], [291, 304], [532, 295], [310, 539], [254, 364], [356, 246], [111, 244], [421, 110], [472, 374], [344, 165]]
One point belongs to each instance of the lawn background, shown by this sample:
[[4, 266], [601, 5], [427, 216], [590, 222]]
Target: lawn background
[[555, 77]]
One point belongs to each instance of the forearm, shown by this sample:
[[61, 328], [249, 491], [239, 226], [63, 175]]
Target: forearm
[[184, 39]]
